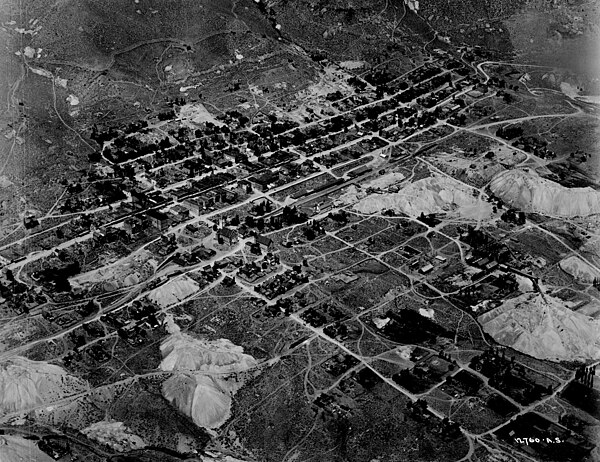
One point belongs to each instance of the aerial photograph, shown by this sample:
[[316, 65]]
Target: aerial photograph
[[300, 230]]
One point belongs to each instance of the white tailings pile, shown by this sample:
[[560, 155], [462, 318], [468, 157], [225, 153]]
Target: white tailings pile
[[528, 191], [436, 194], [141, 265], [543, 328], [173, 291], [211, 372], [115, 435], [25, 384], [384, 181], [196, 113], [18, 449], [579, 269]]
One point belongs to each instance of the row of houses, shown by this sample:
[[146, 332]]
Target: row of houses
[[232, 236]]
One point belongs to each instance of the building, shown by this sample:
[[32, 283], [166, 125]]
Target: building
[[181, 212], [132, 226], [265, 181], [195, 205], [158, 219], [491, 265], [265, 243], [244, 230], [207, 199], [179, 193], [229, 196], [231, 235], [139, 198], [426, 269]]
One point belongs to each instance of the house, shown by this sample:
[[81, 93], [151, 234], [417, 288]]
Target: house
[[230, 234], [222, 162], [426, 269], [243, 186], [158, 219], [244, 230], [265, 243], [229, 196], [192, 229], [219, 194], [491, 265]]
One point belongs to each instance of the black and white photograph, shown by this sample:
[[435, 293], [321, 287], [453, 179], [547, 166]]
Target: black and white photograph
[[299, 230]]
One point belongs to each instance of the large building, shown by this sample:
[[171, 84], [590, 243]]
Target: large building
[[230, 234], [196, 205], [265, 243], [158, 219]]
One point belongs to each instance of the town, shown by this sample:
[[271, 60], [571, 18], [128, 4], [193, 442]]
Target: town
[[313, 225]]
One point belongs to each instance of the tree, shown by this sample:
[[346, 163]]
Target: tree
[[309, 233], [62, 285]]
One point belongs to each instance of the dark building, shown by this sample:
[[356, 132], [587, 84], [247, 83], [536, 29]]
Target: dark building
[[230, 234], [265, 243], [158, 219]]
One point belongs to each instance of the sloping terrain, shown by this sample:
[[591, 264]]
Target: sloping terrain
[[18, 449], [114, 434], [25, 384], [528, 191], [543, 328], [436, 194], [173, 291], [579, 269], [210, 375]]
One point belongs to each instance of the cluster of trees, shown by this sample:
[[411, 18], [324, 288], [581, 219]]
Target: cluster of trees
[[514, 216], [313, 229], [262, 208], [509, 132], [585, 375]]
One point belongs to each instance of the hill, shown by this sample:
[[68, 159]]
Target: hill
[[437, 194], [526, 190], [543, 328], [211, 372], [18, 449], [25, 384]]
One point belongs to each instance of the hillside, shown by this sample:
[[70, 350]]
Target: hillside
[[579, 269], [543, 328], [18, 449], [526, 190], [210, 375], [115, 435], [437, 194], [25, 384]]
